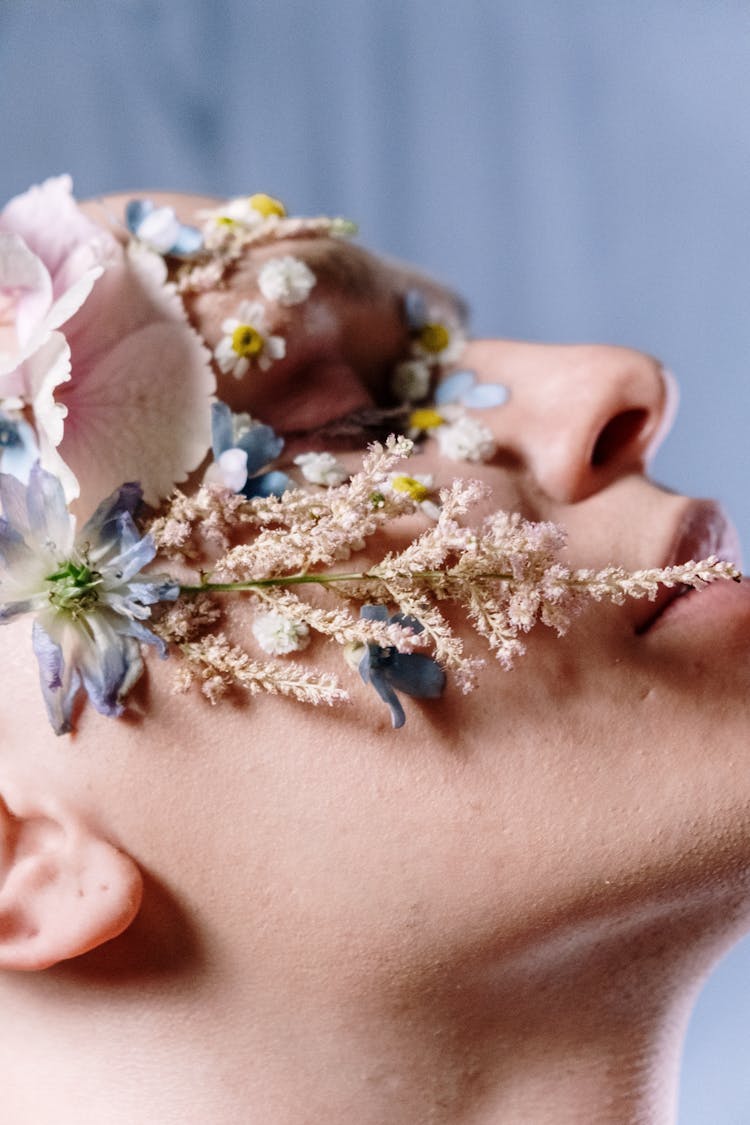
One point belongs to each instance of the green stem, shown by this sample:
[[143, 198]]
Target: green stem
[[303, 579]]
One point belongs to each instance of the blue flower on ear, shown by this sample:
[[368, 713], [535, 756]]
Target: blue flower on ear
[[462, 387], [88, 591], [242, 449], [389, 670], [160, 229]]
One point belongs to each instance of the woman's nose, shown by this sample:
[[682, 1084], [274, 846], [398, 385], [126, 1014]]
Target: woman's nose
[[578, 416]]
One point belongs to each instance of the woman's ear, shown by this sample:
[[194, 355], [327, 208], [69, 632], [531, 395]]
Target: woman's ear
[[63, 888]]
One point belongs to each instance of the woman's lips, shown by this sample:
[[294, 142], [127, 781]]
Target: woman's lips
[[704, 530], [717, 605]]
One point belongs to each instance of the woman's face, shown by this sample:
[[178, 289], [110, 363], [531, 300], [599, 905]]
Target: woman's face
[[608, 765]]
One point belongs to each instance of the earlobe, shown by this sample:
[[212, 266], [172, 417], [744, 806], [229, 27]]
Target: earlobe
[[63, 888]]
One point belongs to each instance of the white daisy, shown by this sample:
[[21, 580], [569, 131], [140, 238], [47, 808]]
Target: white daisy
[[247, 341], [439, 340], [419, 487], [245, 211]]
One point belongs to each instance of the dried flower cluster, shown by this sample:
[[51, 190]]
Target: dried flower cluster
[[505, 574]]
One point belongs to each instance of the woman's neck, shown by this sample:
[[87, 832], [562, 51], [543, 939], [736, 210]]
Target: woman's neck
[[586, 1026]]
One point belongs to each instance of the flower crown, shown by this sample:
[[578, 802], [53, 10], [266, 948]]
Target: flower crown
[[95, 344]]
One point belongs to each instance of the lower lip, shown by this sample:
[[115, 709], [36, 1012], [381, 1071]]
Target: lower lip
[[723, 603]]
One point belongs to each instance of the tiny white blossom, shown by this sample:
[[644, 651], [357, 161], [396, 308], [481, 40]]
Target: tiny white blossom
[[247, 341], [278, 635], [322, 468], [465, 439], [286, 280], [410, 381]]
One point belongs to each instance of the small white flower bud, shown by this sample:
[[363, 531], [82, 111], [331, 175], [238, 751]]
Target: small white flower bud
[[322, 468], [277, 635], [286, 280]]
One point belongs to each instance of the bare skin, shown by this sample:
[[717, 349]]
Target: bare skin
[[500, 913]]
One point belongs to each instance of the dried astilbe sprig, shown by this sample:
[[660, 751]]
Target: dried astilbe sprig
[[301, 532], [217, 666], [505, 575], [193, 524], [185, 619]]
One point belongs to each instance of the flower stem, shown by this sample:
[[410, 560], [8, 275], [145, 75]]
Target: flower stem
[[281, 580], [319, 579]]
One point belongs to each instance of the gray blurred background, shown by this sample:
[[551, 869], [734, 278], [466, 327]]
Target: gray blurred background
[[579, 169]]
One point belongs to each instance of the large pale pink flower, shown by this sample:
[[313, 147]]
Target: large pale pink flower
[[96, 347], [50, 257], [138, 401]]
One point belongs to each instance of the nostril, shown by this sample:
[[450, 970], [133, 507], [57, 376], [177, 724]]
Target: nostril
[[618, 434]]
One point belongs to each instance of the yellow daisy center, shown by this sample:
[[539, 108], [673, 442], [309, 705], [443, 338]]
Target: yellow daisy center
[[266, 205], [434, 337], [411, 487], [226, 221], [425, 419], [247, 341]]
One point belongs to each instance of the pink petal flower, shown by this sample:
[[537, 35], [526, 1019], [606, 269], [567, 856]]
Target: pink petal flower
[[44, 372], [49, 221], [125, 393], [138, 402], [25, 296], [50, 257]]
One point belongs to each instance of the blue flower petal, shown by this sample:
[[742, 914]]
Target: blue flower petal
[[105, 661], [222, 432], [149, 593], [189, 242], [141, 634], [128, 533], [189, 239], [13, 503], [274, 483], [462, 386], [136, 211], [377, 677], [416, 674], [104, 529], [374, 613], [60, 683], [259, 443], [407, 621], [485, 395], [137, 554], [389, 670], [262, 446], [454, 387], [9, 610], [49, 520], [15, 553]]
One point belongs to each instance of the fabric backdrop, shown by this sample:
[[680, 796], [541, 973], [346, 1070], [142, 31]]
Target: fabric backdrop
[[580, 169]]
